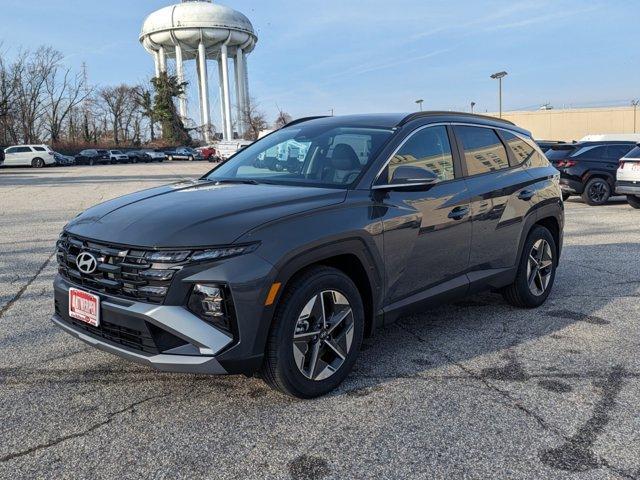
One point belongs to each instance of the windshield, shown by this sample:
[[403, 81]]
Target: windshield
[[312, 155]]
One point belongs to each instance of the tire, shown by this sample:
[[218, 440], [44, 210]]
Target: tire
[[520, 293], [565, 196], [633, 200], [37, 163], [596, 192], [91, 162], [283, 355]]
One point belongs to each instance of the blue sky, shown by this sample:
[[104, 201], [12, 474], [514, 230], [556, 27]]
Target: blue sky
[[375, 56]]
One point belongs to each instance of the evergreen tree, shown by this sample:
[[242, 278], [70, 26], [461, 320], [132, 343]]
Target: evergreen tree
[[167, 88]]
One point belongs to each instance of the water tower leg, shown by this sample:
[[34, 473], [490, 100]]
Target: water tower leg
[[237, 67], [156, 61], [182, 100], [224, 59], [221, 96], [245, 84], [163, 59], [204, 90]]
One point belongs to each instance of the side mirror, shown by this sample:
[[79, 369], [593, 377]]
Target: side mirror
[[408, 177]]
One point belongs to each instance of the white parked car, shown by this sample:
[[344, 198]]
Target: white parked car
[[28, 155], [116, 156], [628, 177]]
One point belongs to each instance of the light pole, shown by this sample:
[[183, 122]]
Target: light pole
[[499, 76], [635, 104], [473, 104], [419, 102]]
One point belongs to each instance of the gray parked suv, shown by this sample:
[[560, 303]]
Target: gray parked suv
[[282, 273]]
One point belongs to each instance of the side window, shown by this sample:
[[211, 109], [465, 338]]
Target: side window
[[591, 152], [22, 150], [428, 149], [39, 149], [483, 150], [11, 150], [616, 152], [522, 151]]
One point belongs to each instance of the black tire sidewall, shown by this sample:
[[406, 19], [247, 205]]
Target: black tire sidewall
[[587, 187], [287, 316], [522, 284], [633, 200]]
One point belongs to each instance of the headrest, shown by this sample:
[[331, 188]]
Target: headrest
[[344, 157]]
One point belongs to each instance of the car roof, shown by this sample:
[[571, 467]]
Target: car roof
[[395, 120]]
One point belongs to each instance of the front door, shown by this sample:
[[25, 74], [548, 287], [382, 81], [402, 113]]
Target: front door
[[427, 234]]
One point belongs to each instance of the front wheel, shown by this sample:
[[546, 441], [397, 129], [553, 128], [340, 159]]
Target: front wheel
[[596, 192], [37, 163], [633, 200], [316, 334], [536, 271]]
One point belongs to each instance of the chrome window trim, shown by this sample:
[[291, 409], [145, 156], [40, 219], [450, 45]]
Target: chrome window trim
[[438, 124]]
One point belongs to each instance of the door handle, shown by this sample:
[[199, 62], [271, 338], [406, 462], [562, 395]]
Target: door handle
[[526, 194], [458, 213]]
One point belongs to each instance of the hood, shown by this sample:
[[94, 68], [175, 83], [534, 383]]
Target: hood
[[196, 214]]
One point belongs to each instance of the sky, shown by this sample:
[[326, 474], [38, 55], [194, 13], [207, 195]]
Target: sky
[[356, 56]]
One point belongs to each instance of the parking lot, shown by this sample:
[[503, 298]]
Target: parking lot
[[476, 389]]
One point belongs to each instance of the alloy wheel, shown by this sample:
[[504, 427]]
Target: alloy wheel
[[598, 191], [323, 335], [539, 267]]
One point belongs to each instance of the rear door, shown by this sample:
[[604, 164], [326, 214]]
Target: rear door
[[500, 193], [427, 233], [23, 156]]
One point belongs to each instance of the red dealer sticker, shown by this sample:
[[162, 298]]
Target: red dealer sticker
[[84, 306]]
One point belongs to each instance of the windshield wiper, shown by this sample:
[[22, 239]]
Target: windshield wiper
[[247, 181]]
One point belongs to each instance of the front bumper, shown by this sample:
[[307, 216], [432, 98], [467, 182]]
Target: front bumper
[[192, 343], [628, 187]]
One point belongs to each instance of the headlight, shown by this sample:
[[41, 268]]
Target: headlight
[[216, 253], [167, 257]]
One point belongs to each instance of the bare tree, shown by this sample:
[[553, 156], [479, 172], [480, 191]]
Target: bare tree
[[282, 119], [144, 98], [65, 91], [254, 119], [116, 100]]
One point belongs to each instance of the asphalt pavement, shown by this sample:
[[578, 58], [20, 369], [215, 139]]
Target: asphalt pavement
[[474, 389]]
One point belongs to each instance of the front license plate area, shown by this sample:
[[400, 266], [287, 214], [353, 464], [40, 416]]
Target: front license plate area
[[84, 306]]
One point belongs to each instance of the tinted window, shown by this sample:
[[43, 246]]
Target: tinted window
[[314, 154], [483, 150], [429, 149], [10, 150], [558, 153], [522, 151], [39, 149], [616, 152], [635, 153], [21, 150]]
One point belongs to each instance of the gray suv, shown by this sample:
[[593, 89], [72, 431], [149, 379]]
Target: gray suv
[[282, 273]]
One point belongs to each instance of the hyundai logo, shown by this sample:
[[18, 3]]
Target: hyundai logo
[[86, 262]]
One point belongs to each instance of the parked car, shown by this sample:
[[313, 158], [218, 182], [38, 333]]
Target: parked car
[[588, 168], [183, 153], [248, 270], [151, 155], [92, 156], [116, 156], [209, 153], [628, 177], [36, 156], [63, 160], [228, 148]]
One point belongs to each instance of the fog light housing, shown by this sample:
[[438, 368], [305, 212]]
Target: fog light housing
[[209, 302]]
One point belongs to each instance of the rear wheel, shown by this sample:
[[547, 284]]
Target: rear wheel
[[37, 163], [634, 200], [536, 271], [316, 334], [596, 192]]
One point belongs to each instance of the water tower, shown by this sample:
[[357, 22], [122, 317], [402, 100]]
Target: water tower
[[201, 30]]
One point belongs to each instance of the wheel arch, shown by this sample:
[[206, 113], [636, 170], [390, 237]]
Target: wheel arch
[[608, 176]]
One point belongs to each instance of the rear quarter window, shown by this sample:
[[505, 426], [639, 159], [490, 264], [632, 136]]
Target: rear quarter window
[[635, 153]]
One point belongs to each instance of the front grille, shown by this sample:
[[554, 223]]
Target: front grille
[[122, 272]]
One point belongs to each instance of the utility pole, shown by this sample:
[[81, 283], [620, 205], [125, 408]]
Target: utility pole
[[634, 104], [331, 110], [419, 102], [473, 104], [499, 76]]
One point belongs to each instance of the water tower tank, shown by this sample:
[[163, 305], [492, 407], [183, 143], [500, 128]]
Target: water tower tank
[[203, 30]]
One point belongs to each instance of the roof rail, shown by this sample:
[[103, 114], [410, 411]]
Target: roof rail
[[304, 119], [415, 115]]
